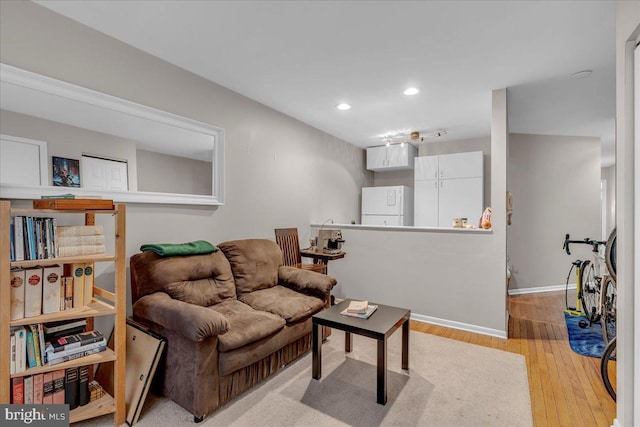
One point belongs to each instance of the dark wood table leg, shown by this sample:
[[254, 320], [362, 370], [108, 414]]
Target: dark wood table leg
[[316, 358], [382, 371], [405, 345], [348, 342]]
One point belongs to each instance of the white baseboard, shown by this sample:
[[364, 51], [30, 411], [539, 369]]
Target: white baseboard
[[616, 423], [459, 325], [537, 289]]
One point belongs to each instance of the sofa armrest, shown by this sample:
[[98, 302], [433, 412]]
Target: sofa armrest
[[305, 281], [189, 320]]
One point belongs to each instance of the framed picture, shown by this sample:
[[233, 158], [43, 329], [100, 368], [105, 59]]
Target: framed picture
[[66, 172]]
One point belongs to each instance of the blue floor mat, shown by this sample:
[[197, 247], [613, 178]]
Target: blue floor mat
[[587, 341]]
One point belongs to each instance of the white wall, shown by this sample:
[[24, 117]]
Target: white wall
[[172, 174], [609, 173], [70, 141], [627, 32], [279, 172], [555, 182]]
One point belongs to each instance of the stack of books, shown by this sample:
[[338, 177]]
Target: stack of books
[[31, 238], [79, 240], [70, 386], [361, 309], [71, 347]]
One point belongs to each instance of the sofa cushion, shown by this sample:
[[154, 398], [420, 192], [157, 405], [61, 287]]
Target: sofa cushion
[[196, 279], [286, 303], [244, 356], [246, 325], [254, 263]]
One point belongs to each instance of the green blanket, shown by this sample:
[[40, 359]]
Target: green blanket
[[198, 247]]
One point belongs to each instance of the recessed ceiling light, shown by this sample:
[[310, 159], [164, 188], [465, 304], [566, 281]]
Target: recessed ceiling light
[[581, 74], [343, 106], [411, 91]]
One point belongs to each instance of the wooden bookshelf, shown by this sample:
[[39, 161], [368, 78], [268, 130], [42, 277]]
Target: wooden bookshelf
[[114, 306]]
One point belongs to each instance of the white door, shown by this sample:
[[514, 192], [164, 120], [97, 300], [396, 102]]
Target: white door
[[376, 157], [104, 174], [23, 161], [460, 165], [460, 198], [425, 201], [426, 167]]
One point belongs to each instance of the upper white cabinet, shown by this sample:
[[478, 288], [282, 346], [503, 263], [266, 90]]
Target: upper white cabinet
[[446, 187], [391, 157]]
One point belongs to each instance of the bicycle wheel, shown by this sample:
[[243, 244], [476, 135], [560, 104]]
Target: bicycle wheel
[[589, 292], [608, 368], [610, 253], [608, 309]]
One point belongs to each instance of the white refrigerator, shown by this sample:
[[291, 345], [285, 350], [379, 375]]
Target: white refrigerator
[[391, 205]]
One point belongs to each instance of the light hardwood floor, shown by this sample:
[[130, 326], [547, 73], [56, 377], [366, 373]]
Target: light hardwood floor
[[566, 388]]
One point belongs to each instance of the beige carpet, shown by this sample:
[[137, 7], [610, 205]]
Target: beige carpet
[[450, 383]]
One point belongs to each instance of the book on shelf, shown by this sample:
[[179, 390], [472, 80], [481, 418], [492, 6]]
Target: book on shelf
[[20, 334], [79, 354], [51, 328], [71, 387], [58, 387], [38, 384], [33, 292], [370, 309], [12, 237], [67, 251], [97, 239], [51, 276], [95, 390], [17, 293], [18, 240], [31, 351], [17, 390], [35, 333], [88, 282], [12, 361], [47, 388], [74, 341], [68, 292], [51, 356], [83, 385], [78, 230], [58, 196], [28, 390], [76, 270]]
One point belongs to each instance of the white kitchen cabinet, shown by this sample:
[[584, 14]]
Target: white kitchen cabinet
[[446, 187], [459, 198], [426, 203], [391, 157]]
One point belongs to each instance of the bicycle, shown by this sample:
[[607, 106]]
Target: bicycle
[[588, 281], [608, 317]]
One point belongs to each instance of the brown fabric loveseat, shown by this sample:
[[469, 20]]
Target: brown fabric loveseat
[[231, 318]]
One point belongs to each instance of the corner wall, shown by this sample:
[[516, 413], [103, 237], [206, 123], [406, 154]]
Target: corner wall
[[555, 182]]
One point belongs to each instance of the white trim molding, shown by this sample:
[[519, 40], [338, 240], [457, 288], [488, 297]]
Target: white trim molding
[[459, 325], [537, 289]]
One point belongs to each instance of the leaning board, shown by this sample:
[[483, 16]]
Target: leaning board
[[144, 349]]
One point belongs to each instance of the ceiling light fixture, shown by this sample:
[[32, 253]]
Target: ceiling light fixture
[[343, 106], [581, 74], [411, 91]]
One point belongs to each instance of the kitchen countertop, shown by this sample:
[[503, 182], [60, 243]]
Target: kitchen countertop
[[404, 228]]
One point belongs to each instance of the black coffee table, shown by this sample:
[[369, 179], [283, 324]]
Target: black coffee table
[[379, 326]]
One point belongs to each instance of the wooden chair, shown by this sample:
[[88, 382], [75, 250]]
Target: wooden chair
[[287, 239]]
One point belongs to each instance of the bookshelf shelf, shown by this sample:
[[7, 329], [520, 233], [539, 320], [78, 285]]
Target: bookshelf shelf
[[115, 306], [104, 356], [103, 406], [64, 260], [94, 309]]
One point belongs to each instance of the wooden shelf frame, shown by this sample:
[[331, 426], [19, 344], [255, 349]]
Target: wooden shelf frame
[[117, 309]]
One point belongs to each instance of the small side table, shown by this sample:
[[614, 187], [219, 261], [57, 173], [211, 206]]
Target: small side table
[[320, 257]]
